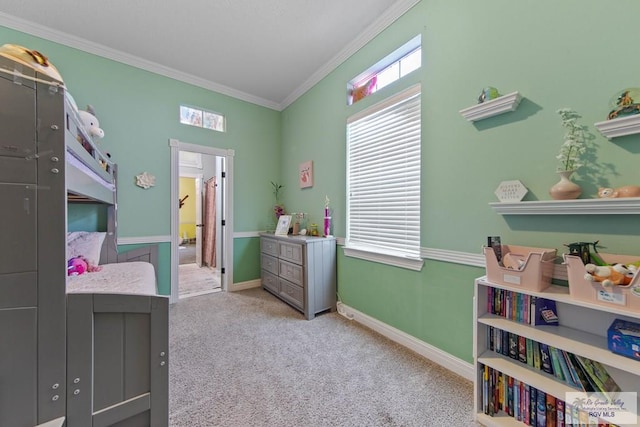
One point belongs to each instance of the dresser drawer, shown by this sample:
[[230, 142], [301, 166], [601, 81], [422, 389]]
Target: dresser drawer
[[269, 263], [291, 252], [269, 246], [270, 281], [291, 272], [293, 293]]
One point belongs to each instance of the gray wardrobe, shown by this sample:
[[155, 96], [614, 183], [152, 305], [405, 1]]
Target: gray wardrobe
[[79, 360]]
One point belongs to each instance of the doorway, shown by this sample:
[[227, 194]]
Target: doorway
[[201, 235], [199, 206]]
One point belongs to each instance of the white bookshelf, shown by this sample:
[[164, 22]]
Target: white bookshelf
[[582, 330]]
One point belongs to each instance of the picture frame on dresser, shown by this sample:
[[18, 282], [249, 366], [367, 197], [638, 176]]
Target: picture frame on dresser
[[282, 229]]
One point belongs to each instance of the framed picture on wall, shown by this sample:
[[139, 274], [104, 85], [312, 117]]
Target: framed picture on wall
[[282, 229], [305, 175]]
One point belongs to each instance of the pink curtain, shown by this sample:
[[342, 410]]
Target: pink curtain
[[209, 232]]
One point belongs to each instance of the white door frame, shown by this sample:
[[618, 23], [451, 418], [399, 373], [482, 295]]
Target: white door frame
[[227, 210]]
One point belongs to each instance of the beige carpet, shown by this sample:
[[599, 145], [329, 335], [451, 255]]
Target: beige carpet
[[246, 359], [194, 280]]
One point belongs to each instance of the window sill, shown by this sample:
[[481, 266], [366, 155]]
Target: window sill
[[385, 258]]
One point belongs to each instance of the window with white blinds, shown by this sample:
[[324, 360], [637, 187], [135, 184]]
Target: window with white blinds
[[383, 176]]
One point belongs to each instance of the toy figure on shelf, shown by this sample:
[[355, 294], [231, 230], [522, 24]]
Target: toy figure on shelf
[[487, 94], [625, 104], [610, 275]]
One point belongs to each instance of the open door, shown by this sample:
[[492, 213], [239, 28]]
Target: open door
[[199, 224]]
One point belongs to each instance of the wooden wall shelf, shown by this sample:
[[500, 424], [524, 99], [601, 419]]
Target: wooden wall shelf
[[619, 206], [487, 109], [619, 127]]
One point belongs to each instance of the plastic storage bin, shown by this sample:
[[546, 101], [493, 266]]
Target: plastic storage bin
[[615, 296], [534, 275]]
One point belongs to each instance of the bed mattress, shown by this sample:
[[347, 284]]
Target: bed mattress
[[129, 278]]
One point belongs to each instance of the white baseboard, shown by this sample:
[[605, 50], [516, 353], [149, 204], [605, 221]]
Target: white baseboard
[[442, 358], [241, 286]]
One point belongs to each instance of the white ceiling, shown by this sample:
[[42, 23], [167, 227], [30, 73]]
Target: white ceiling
[[268, 52]]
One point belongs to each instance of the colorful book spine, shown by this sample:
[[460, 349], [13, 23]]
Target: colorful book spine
[[560, 418], [536, 355], [563, 366], [516, 400], [513, 345], [533, 401], [527, 402], [541, 409], [530, 352], [510, 396], [551, 411], [522, 349], [557, 371], [545, 359]]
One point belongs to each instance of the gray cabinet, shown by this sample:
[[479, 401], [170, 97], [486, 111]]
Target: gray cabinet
[[32, 256], [300, 270]]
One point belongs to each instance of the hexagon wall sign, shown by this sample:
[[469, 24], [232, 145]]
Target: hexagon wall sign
[[511, 191]]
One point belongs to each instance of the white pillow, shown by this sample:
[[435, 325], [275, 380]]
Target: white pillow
[[87, 244]]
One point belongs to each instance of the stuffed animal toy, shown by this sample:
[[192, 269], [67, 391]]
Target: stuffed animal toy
[[610, 275], [77, 266], [625, 191], [91, 123]]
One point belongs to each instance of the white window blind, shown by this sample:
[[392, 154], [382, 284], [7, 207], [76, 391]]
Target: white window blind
[[383, 176]]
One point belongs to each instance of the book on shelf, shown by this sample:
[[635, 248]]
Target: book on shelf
[[544, 312], [555, 362], [598, 376], [560, 418], [551, 410], [527, 402], [522, 349], [513, 345], [568, 414], [536, 355], [565, 368], [533, 401], [583, 380], [573, 373], [510, 396], [545, 359], [530, 352], [485, 390], [516, 400], [541, 409]]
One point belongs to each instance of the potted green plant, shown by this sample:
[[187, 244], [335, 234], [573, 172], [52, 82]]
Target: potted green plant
[[278, 208], [570, 151]]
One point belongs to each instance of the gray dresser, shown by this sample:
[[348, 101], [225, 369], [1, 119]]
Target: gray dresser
[[300, 270]]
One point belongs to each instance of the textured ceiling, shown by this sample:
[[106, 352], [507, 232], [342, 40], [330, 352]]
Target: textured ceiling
[[264, 51]]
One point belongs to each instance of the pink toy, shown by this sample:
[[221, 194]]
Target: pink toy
[[76, 266], [79, 265]]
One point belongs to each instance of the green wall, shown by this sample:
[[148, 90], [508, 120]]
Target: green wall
[[573, 53], [139, 113]]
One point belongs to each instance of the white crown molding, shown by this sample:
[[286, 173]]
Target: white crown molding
[[46, 33], [389, 17]]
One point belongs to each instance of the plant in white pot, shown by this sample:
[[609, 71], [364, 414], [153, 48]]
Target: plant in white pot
[[570, 151]]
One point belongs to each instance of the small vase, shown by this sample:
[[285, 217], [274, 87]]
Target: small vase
[[565, 189]]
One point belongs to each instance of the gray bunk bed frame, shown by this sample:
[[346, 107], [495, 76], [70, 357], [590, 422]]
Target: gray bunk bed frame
[[117, 345]]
